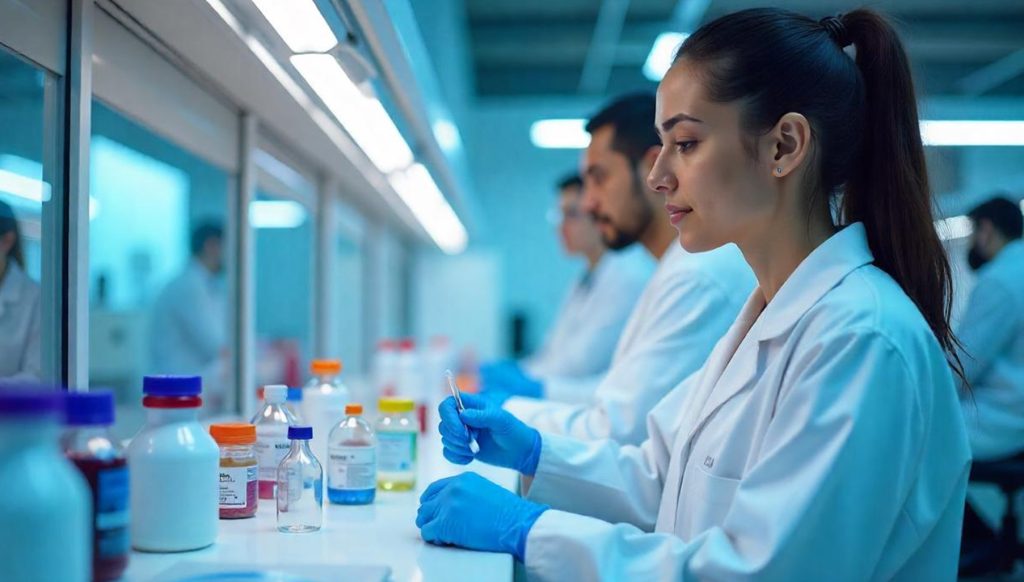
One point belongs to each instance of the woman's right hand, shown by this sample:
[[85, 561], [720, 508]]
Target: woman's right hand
[[504, 440]]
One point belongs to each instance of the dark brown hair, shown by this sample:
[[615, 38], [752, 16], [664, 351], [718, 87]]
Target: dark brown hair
[[9, 223], [863, 116]]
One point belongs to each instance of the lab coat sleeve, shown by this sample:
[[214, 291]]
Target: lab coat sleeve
[[985, 329], [31, 368], [687, 320], [606, 480], [820, 502]]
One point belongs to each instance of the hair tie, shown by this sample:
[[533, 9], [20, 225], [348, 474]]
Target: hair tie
[[836, 29]]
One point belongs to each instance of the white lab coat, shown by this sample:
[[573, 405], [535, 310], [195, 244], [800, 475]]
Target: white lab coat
[[823, 440], [20, 357], [992, 333], [592, 316], [188, 328], [689, 304]]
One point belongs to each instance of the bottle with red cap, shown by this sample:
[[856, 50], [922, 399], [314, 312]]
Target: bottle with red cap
[[174, 481], [100, 458], [44, 509], [323, 402]]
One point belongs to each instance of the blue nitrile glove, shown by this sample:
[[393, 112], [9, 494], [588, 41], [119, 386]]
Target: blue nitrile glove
[[504, 440], [495, 397], [506, 376], [470, 511]]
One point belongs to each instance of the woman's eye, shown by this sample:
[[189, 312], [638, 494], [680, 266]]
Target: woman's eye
[[685, 146]]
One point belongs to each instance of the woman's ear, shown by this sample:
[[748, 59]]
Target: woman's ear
[[788, 143]]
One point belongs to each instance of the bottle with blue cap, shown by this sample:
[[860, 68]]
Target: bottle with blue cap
[[100, 458], [174, 481], [44, 509], [300, 486]]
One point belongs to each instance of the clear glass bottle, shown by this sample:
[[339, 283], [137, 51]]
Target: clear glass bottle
[[173, 485], [44, 510], [352, 464], [397, 429], [323, 402], [101, 460], [272, 444], [239, 469], [300, 486]]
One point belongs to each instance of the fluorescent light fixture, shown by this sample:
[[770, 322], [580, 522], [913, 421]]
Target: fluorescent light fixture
[[28, 188], [560, 134], [954, 227], [420, 193], [447, 135], [659, 60], [364, 118], [276, 214], [972, 133], [299, 23]]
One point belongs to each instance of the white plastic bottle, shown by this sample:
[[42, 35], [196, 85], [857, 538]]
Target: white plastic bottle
[[411, 382], [352, 465], [323, 402], [385, 368], [272, 444], [174, 481], [45, 530]]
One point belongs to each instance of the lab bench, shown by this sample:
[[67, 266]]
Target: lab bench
[[381, 534]]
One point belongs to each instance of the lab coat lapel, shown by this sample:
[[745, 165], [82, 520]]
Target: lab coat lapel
[[639, 317], [822, 270]]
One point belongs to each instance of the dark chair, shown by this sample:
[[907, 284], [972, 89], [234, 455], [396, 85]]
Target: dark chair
[[1008, 475]]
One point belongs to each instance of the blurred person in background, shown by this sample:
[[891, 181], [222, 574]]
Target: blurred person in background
[[594, 312], [189, 325], [992, 337], [19, 306]]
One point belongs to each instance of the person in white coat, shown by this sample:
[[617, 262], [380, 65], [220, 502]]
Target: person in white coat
[[992, 332], [823, 439], [20, 349], [188, 329], [592, 315], [686, 308]]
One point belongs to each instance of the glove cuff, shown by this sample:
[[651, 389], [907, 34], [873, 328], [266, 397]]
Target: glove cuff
[[529, 464], [516, 535]]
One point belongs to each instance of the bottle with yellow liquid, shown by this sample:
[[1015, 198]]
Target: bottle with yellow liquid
[[397, 429]]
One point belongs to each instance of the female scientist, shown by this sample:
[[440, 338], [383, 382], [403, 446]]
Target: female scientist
[[822, 439], [20, 357]]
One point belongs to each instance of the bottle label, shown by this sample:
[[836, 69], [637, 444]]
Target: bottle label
[[234, 485], [112, 515], [270, 450], [396, 451], [352, 468]]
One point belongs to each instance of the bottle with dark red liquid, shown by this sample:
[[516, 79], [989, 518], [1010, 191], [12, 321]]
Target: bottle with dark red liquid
[[87, 444]]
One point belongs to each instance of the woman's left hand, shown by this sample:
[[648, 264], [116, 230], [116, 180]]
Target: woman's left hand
[[470, 511]]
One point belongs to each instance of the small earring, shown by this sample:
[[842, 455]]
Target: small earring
[[778, 171]]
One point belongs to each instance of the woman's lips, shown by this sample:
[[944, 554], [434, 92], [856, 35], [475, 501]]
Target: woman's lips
[[676, 213]]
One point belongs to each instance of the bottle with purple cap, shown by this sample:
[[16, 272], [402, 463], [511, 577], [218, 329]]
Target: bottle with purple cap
[[174, 479], [44, 509], [87, 443]]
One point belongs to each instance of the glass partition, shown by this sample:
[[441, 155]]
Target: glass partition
[[157, 265]]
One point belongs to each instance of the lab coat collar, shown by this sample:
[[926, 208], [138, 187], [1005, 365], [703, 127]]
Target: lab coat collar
[[844, 252]]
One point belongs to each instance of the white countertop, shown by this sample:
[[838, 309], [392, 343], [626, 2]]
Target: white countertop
[[383, 533]]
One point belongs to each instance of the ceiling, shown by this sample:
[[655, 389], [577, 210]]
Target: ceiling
[[541, 47]]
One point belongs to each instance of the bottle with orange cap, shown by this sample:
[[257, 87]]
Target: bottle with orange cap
[[239, 468], [352, 460], [323, 402]]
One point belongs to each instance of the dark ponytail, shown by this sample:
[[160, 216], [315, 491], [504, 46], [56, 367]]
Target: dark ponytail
[[9, 223], [863, 115]]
